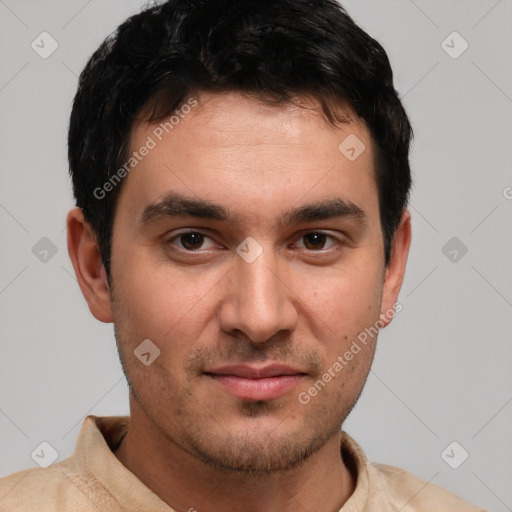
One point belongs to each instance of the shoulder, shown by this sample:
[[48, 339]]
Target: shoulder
[[384, 488], [25, 489], [56, 488], [411, 494], [90, 479]]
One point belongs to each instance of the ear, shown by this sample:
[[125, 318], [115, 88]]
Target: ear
[[89, 270], [395, 270]]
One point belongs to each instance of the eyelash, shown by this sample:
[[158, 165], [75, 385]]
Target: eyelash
[[170, 241]]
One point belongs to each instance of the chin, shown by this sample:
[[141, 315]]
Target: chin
[[258, 444]]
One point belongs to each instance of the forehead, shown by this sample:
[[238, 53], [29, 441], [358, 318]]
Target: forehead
[[252, 120], [236, 149]]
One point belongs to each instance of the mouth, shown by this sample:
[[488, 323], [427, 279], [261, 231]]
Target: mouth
[[256, 383]]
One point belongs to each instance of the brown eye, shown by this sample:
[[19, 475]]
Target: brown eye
[[191, 241], [314, 241]]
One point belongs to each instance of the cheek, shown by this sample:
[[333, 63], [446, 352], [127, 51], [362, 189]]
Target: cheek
[[163, 303], [345, 301]]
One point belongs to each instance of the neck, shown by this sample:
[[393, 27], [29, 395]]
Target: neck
[[323, 482]]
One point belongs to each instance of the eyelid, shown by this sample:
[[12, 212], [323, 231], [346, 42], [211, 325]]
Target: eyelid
[[169, 240], [328, 234]]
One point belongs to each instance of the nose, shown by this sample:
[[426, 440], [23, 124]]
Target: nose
[[259, 301]]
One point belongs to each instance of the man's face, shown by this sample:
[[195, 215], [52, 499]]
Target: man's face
[[246, 327]]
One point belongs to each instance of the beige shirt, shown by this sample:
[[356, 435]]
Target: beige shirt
[[93, 479]]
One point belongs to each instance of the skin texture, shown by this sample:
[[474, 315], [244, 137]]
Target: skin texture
[[301, 303]]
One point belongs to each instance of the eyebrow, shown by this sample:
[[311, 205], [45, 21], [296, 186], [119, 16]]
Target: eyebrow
[[175, 205], [326, 209]]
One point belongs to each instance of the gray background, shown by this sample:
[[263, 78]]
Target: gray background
[[442, 372]]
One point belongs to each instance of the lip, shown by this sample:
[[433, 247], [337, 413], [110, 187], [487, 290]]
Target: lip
[[256, 383]]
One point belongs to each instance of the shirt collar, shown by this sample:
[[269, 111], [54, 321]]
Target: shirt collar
[[93, 454], [100, 436]]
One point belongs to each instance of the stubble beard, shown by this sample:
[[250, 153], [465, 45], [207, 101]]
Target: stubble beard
[[255, 453]]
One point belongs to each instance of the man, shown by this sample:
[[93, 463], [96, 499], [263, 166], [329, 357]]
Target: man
[[241, 177]]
